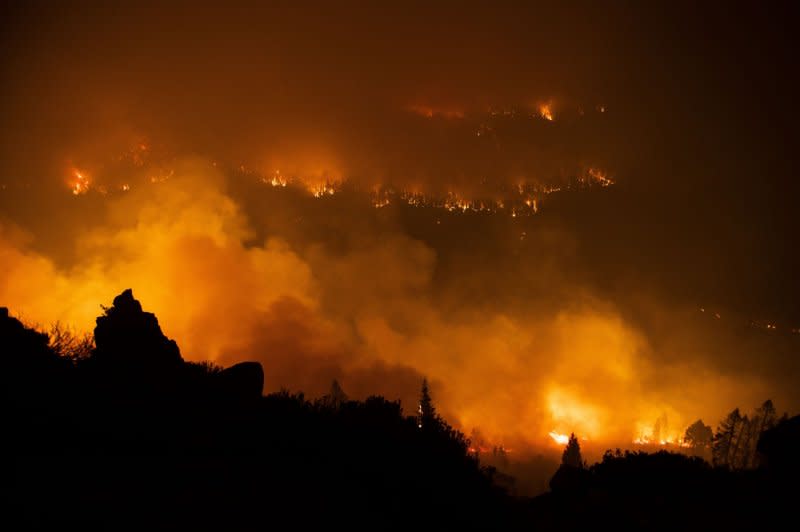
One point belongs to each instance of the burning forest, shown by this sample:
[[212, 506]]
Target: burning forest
[[576, 226]]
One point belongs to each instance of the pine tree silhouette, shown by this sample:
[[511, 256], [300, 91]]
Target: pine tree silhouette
[[336, 397], [725, 439], [427, 417], [572, 453]]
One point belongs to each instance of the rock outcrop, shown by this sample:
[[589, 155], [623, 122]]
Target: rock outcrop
[[244, 380], [128, 337]]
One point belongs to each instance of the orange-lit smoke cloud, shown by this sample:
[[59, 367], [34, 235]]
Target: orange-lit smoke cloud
[[369, 316]]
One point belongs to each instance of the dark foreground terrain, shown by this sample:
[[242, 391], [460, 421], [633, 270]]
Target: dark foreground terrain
[[124, 434]]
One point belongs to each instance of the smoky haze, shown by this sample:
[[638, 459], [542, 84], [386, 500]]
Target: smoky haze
[[610, 307]]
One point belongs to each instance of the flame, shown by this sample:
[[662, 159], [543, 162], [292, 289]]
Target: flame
[[665, 442], [324, 189], [277, 180], [600, 177], [567, 410], [561, 439], [526, 198], [80, 183], [546, 111], [428, 111], [660, 434], [571, 408]]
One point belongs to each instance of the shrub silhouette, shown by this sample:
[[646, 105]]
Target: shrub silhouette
[[133, 437]]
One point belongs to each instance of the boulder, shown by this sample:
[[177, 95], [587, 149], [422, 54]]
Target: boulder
[[126, 336], [244, 380]]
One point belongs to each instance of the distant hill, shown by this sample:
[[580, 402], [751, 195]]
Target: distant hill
[[125, 434]]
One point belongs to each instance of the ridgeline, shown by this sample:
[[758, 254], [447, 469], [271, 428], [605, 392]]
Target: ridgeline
[[124, 434]]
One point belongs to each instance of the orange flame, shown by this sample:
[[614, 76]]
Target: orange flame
[[561, 439], [80, 183], [546, 111]]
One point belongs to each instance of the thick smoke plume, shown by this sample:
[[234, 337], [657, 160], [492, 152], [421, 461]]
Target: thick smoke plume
[[653, 280], [367, 309]]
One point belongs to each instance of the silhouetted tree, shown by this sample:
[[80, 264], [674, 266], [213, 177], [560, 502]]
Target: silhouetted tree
[[725, 439], [209, 450], [68, 344], [778, 448], [736, 439], [761, 420], [767, 415], [698, 435], [336, 397], [748, 437], [199, 446], [765, 419], [572, 476], [426, 416], [572, 453]]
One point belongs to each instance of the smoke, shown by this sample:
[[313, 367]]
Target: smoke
[[584, 317], [376, 309]]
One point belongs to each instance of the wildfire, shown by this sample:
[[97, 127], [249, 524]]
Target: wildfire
[[659, 434], [431, 112], [546, 111], [568, 410], [600, 177], [525, 199], [325, 189], [561, 439], [80, 183], [668, 442], [161, 177], [277, 180]]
